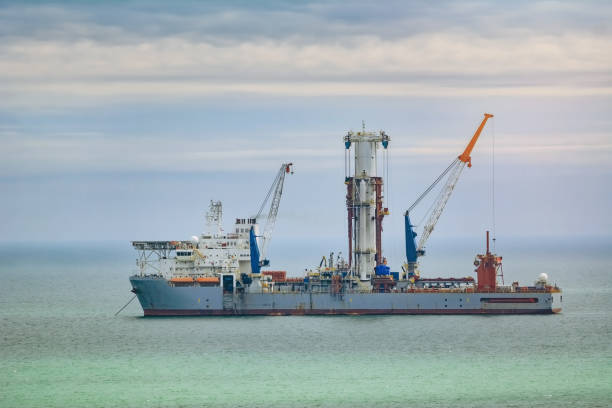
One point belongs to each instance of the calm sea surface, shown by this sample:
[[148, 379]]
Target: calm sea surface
[[61, 346]]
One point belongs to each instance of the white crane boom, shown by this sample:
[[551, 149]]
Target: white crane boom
[[441, 201], [276, 192]]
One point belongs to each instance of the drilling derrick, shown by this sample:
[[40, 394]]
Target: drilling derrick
[[364, 201]]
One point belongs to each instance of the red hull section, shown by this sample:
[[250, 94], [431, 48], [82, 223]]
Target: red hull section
[[510, 300], [355, 312]]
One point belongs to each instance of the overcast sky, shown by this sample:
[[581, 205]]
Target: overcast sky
[[121, 120]]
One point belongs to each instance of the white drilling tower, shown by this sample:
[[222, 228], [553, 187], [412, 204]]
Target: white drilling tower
[[364, 200]]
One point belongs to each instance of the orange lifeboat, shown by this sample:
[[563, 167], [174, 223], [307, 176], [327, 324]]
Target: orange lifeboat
[[181, 279], [208, 280]]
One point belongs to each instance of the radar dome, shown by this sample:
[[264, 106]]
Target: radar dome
[[195, 239], [542, 280]]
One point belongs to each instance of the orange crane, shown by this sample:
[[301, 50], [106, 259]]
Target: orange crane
[[413, 251]]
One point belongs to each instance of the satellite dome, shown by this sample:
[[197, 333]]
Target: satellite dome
[[542, 280]]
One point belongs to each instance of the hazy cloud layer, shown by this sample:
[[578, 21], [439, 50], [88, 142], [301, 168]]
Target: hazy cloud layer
[[140, 49], [92, 153], [115, 115]]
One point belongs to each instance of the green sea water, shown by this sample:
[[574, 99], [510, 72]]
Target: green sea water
[[61, 346]]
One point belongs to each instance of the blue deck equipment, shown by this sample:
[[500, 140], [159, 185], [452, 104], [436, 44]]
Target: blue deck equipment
[[382, 269], [255, 268], [411, 248]]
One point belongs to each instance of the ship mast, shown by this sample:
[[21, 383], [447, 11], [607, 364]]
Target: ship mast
[[214, 217]]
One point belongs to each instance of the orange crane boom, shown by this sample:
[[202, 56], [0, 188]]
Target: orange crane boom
[[465, 156]]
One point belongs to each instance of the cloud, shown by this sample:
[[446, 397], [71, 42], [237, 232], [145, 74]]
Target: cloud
[[110, 108], [440, 65], [364, 57], [222, 22], [95, 153], [56, 55], [73, 54]]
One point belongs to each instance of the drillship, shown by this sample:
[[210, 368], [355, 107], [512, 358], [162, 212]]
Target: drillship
[[221, 274]]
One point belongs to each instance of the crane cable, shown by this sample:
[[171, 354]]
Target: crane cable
[[440, 177], [430, 209], [493, 183], [274, 183], [386, 176]]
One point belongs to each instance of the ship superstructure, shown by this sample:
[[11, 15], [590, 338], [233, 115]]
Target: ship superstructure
[[211, 253], [218, 273]]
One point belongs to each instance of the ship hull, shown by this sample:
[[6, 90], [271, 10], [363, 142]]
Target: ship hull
[[352, 312], [158, 298]]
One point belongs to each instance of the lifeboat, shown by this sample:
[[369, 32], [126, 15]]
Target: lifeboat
[[208, 280], [181, 279]]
